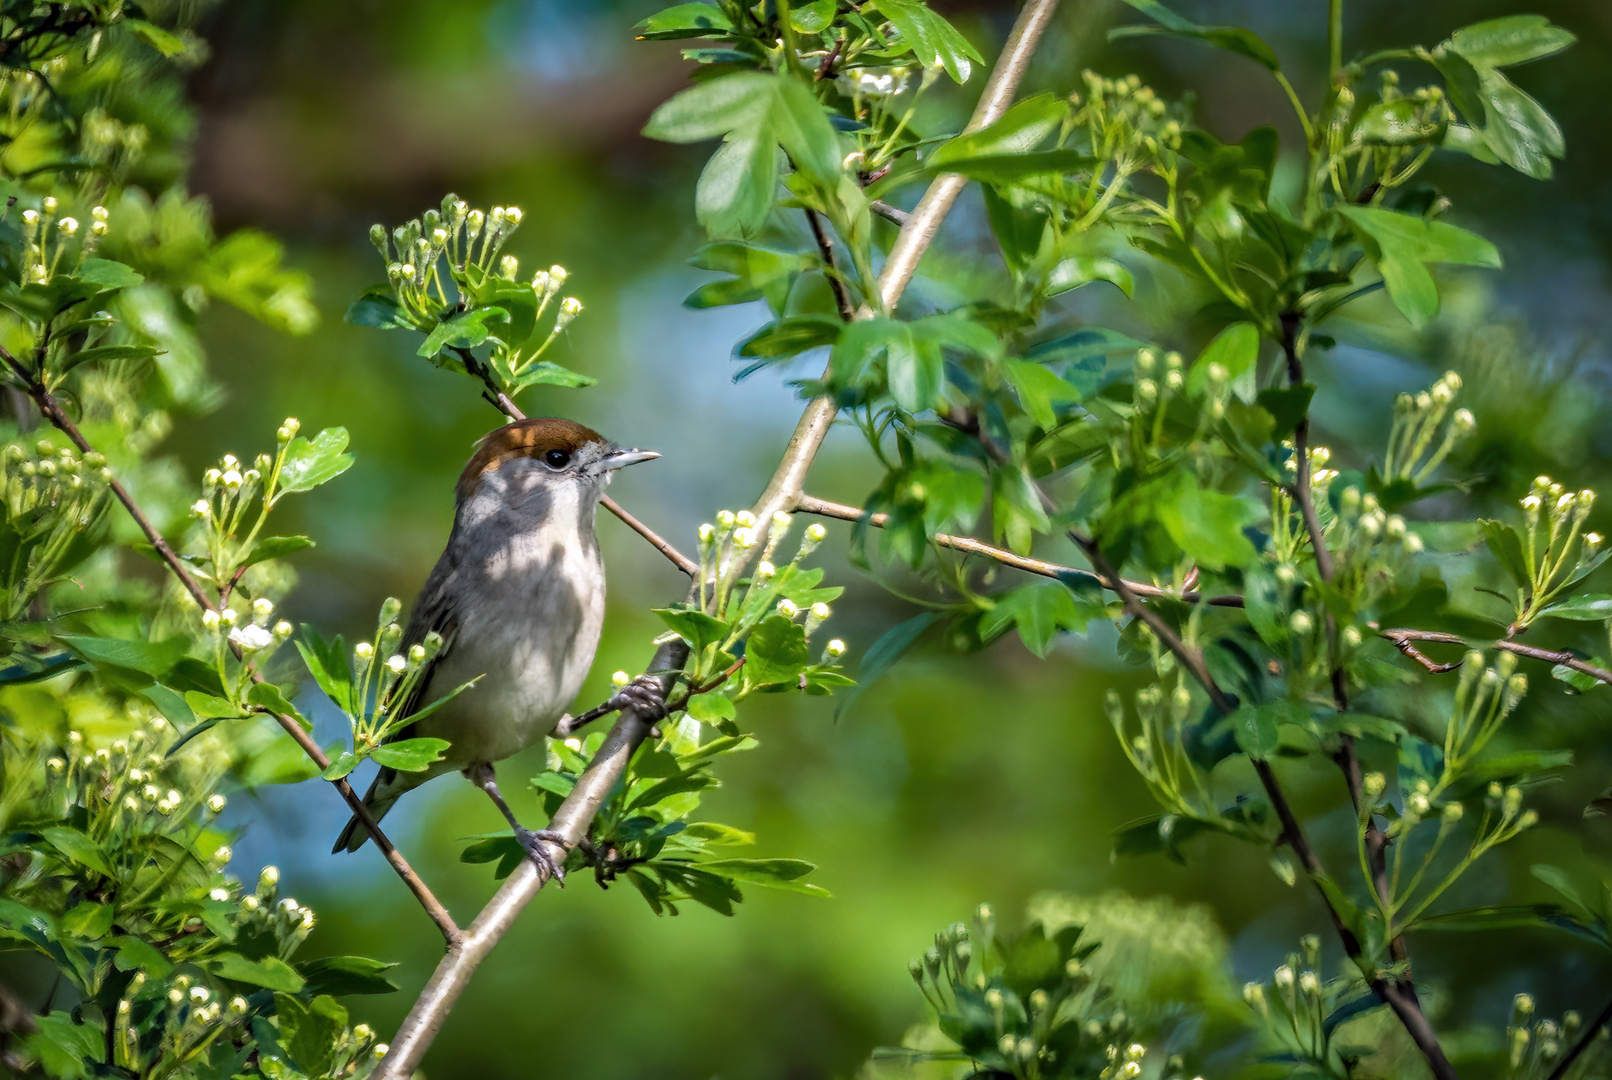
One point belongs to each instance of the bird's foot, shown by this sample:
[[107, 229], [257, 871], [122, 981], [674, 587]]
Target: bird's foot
[[535, 841], [644, 696]]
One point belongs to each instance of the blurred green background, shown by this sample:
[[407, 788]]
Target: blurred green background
[[991, 777]]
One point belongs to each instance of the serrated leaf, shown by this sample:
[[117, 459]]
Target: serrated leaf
[[276, 547], [411, 755], [309, 463], [269, 972], [1590, 607], [78, 847]]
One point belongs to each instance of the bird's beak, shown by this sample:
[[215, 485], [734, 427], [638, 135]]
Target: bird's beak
[[620, 459]]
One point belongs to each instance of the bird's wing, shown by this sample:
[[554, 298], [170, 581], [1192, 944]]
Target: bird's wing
[[434, 612]]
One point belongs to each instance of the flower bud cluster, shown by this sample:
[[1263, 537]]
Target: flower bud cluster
[[1536, 1047], [1125, 118], [1558, 550], [51, 495], [48, 238], [1425, 430]]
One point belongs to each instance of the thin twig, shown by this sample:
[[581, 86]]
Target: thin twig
[[51, 409], [1591, 1033], [825, 247], [575, 816], [1564, 659], [889, 213]]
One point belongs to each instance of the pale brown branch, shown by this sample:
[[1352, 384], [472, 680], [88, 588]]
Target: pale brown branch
[[51, 410]]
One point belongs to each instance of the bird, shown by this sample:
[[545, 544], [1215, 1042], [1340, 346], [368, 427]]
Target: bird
[[518, 599]]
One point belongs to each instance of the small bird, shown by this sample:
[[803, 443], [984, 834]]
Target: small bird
[[518, 599]]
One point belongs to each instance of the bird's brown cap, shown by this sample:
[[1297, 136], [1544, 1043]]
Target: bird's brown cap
[[532, 437]]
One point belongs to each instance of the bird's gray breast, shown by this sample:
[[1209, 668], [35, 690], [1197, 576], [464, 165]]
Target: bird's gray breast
[[528, 583]]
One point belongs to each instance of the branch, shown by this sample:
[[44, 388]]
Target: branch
[[1401, 992], [51, 409], [825, 247], [1403, 637], [1591, 1033], [575, 816], [501, 401], [823, 508], [888, 212]]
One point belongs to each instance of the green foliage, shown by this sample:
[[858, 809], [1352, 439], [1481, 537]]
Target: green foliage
[[446, 278]]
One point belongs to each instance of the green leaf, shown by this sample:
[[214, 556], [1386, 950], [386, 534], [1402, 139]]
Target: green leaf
[[1231, 38], [378, 308], [311, 463], [768, 873], [1591, 607], [931, 38], [327, 662], [775, 652], [812, 17], [165, 42], [107, 354], [346, 975], [107, 274], [1515, 39], [548, 373], [411, 755], [1512, 917], [276, 547], [1255, 727], [685, 21], [1071, 273], [266, 695], [758, 272], [464, 330], [1288, 405], [1401, 245], [712, 109], [1236, 348], [1039, 611], [212, 707], [340, 766], [1039, 389], [77, 847], [310, 1032], [1207, 525], [1506, 546], [1011, 168], [65, 1048], [1400, 122], [695, 627], [269, 972], [88, 920], [154, 658], [1020, 130], [711, 708]]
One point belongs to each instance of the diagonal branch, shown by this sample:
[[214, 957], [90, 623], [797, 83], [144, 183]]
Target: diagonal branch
[[50, 408], [1596, 1029], [575, 815]]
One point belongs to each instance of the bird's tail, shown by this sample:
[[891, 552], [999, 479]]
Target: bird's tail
[[379, 798]]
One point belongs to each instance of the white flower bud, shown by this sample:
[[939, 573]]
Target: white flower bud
[[620, 679], [725, 519], [228, 617], [765, 569], [744, 539], [282, 629], [816, 532], [416, 654], [1301, 623], [557, 276], [210, 619], [1352, 637], [364, 650], [269, 878], [30, 217], [231, 478], [396, 664], [1310, 983], [237, 1006], [508, 266], [570, 308], [835, 649], [513, 215], [211, 477], [820, 611], [1284, 977], [98, 213], [707, 533], [262, 607], [380, 1050], [201, 507], [788, 608], [744, 519], [216, 803]]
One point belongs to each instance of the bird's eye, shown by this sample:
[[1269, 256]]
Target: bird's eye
[[557, 459]]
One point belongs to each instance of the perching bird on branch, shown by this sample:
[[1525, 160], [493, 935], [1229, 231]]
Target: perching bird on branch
[[518, 599]]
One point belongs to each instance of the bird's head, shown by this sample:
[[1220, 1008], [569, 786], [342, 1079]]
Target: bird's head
[[547, 453]]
